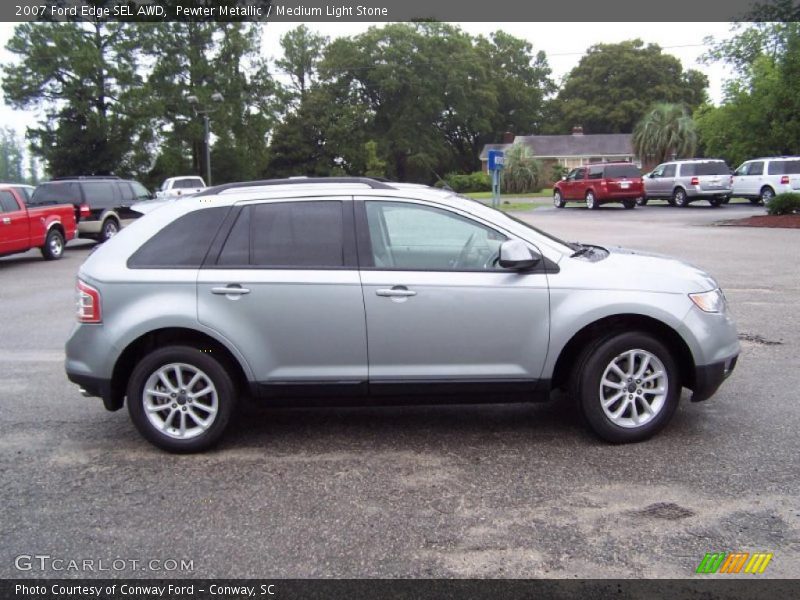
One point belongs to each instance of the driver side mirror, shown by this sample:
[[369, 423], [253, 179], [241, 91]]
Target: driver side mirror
[[516, 255], [652, 175]]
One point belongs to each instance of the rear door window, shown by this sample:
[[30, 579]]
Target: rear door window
[[127, 193], [669, 171], [755, 168], [595, 172], [99, 194], [287, 235]]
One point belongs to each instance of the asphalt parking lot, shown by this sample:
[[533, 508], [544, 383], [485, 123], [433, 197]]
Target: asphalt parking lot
[[477, 491]]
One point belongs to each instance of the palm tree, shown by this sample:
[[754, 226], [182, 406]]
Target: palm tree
[[666, 132]]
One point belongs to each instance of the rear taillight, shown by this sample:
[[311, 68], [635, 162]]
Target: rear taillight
[[88, 303], [694, 181], [85, 211], [784, 180]]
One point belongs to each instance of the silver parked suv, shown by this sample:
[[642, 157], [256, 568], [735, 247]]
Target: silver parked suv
[[351, 288], [684, 181], [760, 179]]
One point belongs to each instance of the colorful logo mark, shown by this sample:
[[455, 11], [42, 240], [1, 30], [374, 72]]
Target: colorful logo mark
[[734, 562]]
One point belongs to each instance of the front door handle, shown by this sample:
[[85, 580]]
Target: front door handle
[[6, 221], [231, 290], [398, 291]]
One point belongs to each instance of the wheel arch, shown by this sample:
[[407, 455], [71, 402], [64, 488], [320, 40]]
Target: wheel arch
[[158, 338], [614, 324]]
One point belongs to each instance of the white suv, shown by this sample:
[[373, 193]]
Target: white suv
[[761, 178]]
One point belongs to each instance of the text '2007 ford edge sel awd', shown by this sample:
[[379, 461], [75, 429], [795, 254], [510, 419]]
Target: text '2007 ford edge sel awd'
[[351, 289]]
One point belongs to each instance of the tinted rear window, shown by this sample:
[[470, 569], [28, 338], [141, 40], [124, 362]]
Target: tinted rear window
[[188, 183], [56, 193], [181, 244], [287, 235], [615, 171], [705, 168], [784, 167]]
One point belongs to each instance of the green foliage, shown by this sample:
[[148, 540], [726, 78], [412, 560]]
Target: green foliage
[[557, 172], [522, 171], [760, 115], [473, 182], [375, 166], [302, 50], [614, 85], [665, 131], [85, 78], [784, 204]]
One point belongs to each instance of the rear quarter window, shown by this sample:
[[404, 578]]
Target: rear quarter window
[[783, 167], [56, 193], [182, 244]]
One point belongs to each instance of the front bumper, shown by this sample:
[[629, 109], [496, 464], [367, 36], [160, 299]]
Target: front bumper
[[708, 378]]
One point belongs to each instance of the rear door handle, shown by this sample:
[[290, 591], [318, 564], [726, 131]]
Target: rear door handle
[[397, 291], [231, 290]]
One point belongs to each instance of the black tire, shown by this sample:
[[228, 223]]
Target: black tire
[[629, 204], [591, 201], [715, 202], [558, 199], [588, 375], [109, 229], [679, 198], [211, 368], [671, 201], [53, 248], [766, 194], [641, 201], [755, 201], [726, 199]]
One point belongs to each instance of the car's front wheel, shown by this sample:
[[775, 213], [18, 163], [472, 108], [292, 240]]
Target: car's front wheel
[[558, 199], [181, 398], [627, 386]]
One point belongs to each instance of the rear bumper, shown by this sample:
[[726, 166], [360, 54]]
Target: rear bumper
[[95, 387], [698, 193], [708, 378]]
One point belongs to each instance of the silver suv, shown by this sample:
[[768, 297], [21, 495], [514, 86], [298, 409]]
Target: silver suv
[[681, 182], [761, 178], [351, 288]]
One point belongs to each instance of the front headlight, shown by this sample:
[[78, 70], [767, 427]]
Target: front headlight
[[711, 302]]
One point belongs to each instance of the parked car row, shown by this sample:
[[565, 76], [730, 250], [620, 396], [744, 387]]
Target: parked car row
[[99, 205], [679, 182]]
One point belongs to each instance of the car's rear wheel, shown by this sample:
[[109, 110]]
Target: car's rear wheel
[[53, 245], [641, 201], [679, 198], [726, 199], [627, 386], [629, 204], [591, 201], [715, 202], [180, 398], [109, 229], [767, 193], [558, 200]]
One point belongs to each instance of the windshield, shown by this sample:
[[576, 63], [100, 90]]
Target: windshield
[[616, 171]]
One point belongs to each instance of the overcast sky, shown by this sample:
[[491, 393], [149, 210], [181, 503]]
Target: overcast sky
[[564, 44]]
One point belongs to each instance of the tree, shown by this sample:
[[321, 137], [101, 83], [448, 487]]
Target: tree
[[85, 77], [760, 114], [11, 156], [667, 131], [613, 86], [302, 51], [522, 172]]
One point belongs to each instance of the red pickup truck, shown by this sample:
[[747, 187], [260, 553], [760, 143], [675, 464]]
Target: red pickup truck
[[48, 228]]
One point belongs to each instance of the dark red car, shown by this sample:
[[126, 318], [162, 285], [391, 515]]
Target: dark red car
[[600, 183]]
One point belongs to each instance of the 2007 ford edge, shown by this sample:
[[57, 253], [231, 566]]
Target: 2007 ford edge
[[353, 289]]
